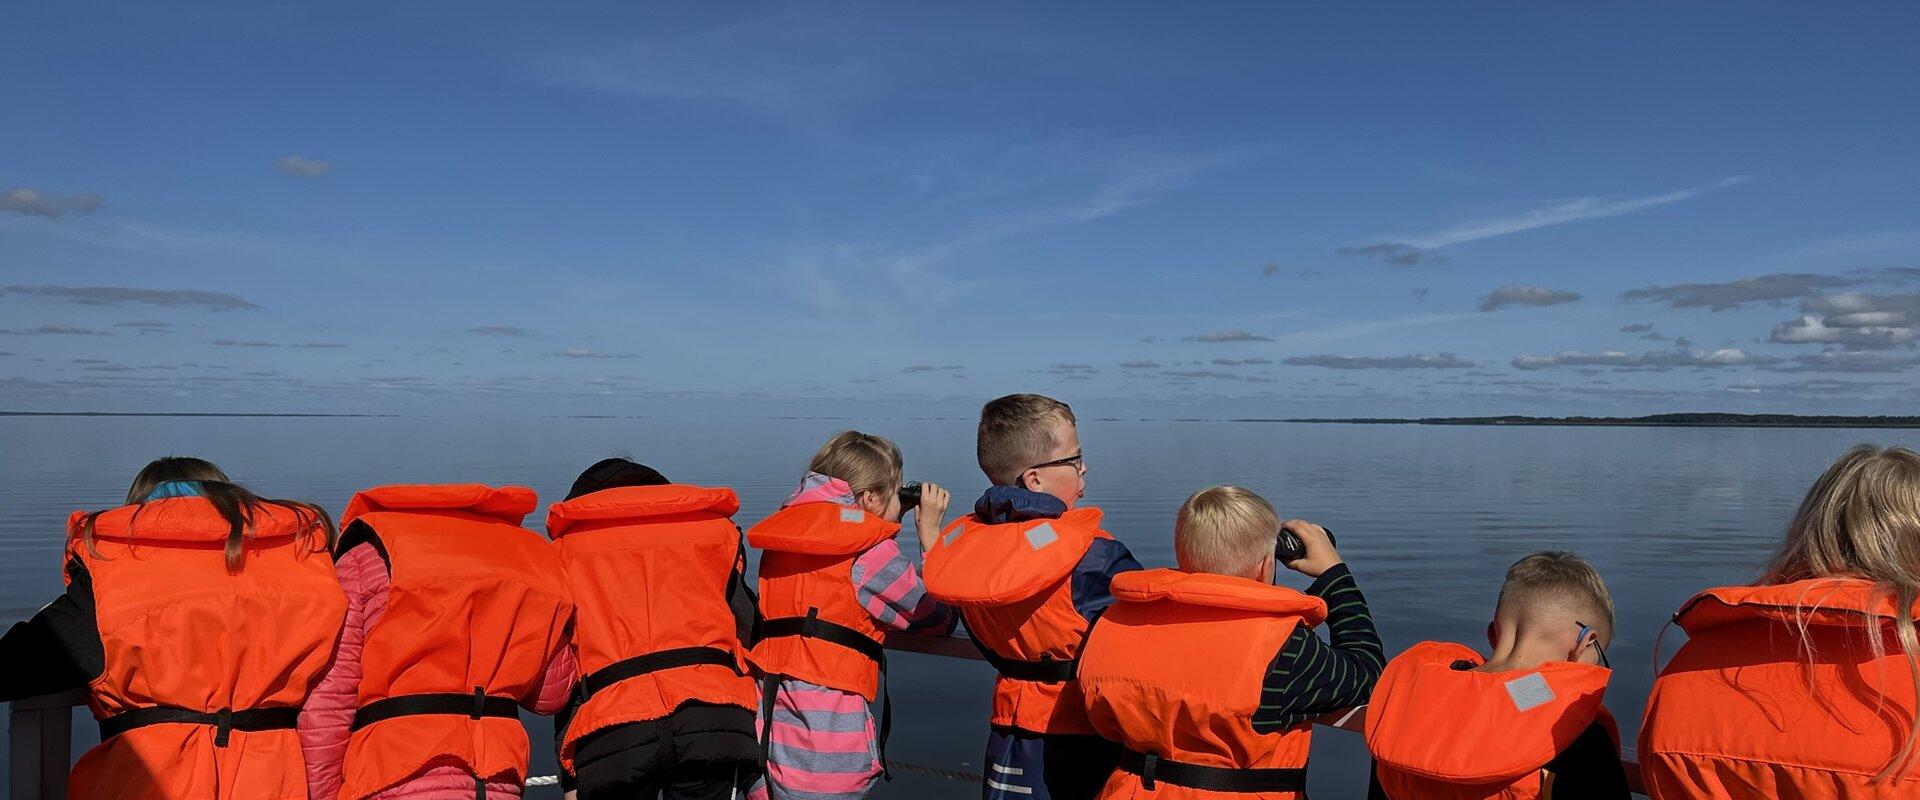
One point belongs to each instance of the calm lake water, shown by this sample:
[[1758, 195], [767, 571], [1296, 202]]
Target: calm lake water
[[1428, 517]]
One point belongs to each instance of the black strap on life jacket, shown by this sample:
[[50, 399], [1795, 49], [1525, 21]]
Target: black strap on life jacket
[[1153, 770], [1046, 670], [251, 720], [812, 626], [600, 679], [474, 706]]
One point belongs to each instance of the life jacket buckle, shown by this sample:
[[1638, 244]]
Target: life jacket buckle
[[1148, 766], [222, 726], [479, 702]]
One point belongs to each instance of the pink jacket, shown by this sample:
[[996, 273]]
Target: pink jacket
[[326, 719]]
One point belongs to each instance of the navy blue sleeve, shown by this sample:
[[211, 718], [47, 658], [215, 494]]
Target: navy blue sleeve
[[59, 649], [1093, 576]]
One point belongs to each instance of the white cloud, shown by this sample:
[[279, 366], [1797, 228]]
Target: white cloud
[[1656, 360], [1816, 330], [302, 167], [1415, 361]]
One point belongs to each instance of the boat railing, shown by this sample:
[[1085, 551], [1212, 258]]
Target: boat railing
[[40, 732]]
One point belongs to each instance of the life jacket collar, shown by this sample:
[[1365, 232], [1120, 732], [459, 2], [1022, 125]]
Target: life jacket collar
[[188, 519], [821, 529], [1217, 591], [975, 562], [639, 504], [1836, 602], [1429, 718], [507, 504], [1003, 504]]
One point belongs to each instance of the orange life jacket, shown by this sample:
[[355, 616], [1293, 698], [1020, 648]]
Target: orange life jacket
[[1012, 584], [1451, 734], [651, 568], [476, 610], [1741, 711], [205, 669], [813, 627], [1173, 672]]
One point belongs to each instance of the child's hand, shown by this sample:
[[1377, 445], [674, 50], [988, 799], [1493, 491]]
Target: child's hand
[[1320, 553], [931, 515]]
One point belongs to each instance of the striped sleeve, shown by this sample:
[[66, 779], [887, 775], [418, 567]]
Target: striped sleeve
[[1310, 677], [889, 588]]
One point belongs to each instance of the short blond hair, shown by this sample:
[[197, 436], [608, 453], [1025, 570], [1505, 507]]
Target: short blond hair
[[1016, 432], [868, 463], [1557, 582], [1226, 530]]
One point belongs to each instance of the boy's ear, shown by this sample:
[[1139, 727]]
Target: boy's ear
[[1491, 641]]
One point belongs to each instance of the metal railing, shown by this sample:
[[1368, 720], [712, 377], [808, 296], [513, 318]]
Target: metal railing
[[40, 729]]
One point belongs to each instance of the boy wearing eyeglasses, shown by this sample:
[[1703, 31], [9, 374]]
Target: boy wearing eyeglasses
[[1030, 570], [1526, 722]]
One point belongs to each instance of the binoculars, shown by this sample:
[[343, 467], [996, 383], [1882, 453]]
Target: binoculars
[[1289, 547], [910, 495]]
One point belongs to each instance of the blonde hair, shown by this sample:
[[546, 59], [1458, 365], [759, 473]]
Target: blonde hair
[[868, 463], [1226, 530], [1861, 519], [1556, 580], [1016, 432]]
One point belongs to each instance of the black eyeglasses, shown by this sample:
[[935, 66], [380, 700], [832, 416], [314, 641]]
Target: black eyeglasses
[[1586, 629], [1078, 461]]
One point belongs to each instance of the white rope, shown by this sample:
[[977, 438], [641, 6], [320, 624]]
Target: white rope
[[544, 780]]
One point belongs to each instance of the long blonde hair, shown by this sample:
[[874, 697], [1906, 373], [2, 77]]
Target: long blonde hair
[[1861, 519], [868, 463]]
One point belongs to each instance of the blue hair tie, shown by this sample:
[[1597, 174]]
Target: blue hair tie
[[171, 489]]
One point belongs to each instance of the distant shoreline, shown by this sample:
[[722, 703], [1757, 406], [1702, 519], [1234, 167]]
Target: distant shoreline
[[1703, 420]]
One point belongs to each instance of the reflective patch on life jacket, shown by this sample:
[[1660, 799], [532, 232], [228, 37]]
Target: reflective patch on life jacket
[[1529, 691], [1041, 535], [853, 515]]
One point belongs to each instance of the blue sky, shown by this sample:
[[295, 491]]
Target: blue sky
[[1268, 210]]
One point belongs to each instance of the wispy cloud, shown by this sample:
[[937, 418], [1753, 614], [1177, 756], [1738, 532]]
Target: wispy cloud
[[1234, 335], [34, 203], [1517, 295], [1409, 250], [1576, 210], [1105, 184], [1654, 360], [501, 330], [1144, 363], [1774, 289], [1414, 361], [53, 329], [1637, 327], [1239, 362], [581, 352], [1399, 254], [1204, 374], [122, 295], [259, 343], [302, 167], [1847, 361]]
